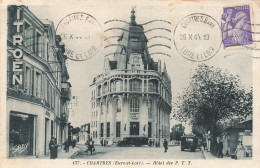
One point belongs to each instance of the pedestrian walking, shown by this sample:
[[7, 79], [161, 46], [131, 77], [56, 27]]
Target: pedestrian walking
[[91, 146], [165, 145], [239, 151], [87, 145], [66, 145], [52, 147], [220, 149]]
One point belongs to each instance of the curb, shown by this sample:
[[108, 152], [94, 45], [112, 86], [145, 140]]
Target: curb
[[74, 154]]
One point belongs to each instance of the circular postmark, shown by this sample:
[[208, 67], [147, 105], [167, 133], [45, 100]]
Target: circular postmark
[[197, 37], [80, 32]]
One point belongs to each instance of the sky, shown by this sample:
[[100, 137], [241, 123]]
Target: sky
[[236, 61]]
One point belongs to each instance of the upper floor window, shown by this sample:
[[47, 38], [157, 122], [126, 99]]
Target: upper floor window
[[152, 86], [136, 85], [101, 108], [150, 106], [118, 103], [38, 84], [134, 105]]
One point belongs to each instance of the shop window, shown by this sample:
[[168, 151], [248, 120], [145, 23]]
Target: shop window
[[21, 134]]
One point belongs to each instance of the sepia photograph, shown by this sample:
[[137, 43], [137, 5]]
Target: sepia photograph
[[130, 83]]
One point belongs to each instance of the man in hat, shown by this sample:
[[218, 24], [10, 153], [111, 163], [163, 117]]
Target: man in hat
[[52, 147], [165, 145]]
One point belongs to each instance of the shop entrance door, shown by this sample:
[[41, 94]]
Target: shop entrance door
[[47, 138], [149, 129], [134, 128]]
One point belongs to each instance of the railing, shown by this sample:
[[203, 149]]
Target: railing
[[128, 72], [65, 93]]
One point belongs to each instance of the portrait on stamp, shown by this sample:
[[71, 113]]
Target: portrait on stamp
[[236, 26]]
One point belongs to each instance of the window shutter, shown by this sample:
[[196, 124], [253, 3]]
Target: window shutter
[[31, 39], [42, 46], [33, 84]]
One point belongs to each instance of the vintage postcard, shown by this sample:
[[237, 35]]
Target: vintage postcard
[[159, 83]]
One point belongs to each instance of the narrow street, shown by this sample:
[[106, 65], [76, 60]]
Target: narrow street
[[113, 152]]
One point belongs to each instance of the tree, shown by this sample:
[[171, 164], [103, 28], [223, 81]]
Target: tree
[[75, 130], [213, 96], [177, 132]]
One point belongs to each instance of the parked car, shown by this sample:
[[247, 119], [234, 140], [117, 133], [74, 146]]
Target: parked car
[[189, 142], [136, 141]]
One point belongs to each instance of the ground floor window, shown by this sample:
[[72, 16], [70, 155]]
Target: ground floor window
[[149, 129], [108, 129], [134, 128], [102, 129], [118, 128], [21, 134]]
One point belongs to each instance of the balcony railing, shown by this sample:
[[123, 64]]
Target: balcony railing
[[127, 72], [65, 90], [65, 93]]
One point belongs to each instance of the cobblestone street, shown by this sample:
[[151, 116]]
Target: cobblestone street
[[144, 152]]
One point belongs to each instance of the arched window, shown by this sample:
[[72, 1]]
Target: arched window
[[136, 85], [117, 85], [134, 105], [152, 86]]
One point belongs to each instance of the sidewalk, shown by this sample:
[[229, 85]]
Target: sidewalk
[[209, 156], [63, 155]]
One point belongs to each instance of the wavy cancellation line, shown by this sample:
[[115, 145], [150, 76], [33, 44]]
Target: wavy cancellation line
[[160, 53], [156, 53], [154, 45], [118, 20], [135, 32], [154, 37]]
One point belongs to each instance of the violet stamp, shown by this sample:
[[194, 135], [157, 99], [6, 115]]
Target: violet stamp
[[236, 26]]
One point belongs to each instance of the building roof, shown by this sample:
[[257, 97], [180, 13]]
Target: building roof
[[242, 125]]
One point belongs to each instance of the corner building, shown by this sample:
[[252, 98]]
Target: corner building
[[37, 101], [132, 97]]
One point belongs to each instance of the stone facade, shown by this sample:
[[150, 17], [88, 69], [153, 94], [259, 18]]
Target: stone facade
[[37, 102], [132, 97]]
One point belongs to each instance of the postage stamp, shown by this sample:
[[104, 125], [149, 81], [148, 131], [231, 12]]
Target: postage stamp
[[197, 37], [81, 42], [236, 26]]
